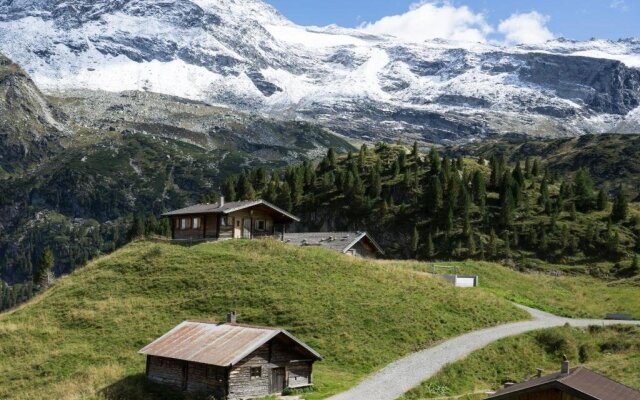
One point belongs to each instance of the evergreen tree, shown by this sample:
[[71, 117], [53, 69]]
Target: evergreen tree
[[535, 170], [402, 160], [527, 168], [434, 161], [448, 224], [620, 210], [229, 189], [414, 152], [434, 195], [245, 189], [284, 197], [430, 248], [603, 200], [471, 245], [45, 265], [492, 247], [396, 168], [331, 157], [479, 189], [583, 191], [415, 241], [375, 184], [137, 229], [517, 175], [507, 244], [635, 266]]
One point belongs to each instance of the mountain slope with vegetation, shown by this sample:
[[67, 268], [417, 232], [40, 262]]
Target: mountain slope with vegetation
[[430, 206], [80, 338], [612, 351], [77, 171], [611, 159]]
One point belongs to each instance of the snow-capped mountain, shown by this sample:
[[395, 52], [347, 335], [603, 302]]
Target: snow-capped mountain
[[244, 54]]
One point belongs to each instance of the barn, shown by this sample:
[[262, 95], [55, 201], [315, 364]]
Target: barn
[[229, 360]]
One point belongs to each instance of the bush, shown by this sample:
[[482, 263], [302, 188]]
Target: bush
[[558, 343]]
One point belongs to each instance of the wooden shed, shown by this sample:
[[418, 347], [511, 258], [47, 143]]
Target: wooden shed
[[568, 384], [230, 360], [357, 244]]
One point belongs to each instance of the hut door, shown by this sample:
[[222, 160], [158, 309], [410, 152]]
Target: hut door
[[277, 380], [246, 228]]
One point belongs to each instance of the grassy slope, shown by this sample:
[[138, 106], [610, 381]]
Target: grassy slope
[[83, 334], [612, 351], [571, 296]]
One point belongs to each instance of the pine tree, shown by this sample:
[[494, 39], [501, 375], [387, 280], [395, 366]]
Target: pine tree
[[362, 156], [284, 197], [583, 191], [414, 152], [492, 247], [517, 174], [479, 189], [535, 170], [430, 248], [434, 195], [375, 184], [448, 224], [507, 244], [635, 266], [229, 189], [620, 210], [396, 169], [331, 157], [434, 161], [415, 241], [527, 168], [603, 200], [45, 265], [137, 229], [245, 189], [471, 245], [402, 160]]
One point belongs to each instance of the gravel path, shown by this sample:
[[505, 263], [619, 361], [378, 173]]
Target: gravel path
[[400, 376]]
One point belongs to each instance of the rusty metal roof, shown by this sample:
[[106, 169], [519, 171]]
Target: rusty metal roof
[[581, 382], [228, 208], [213, 343]]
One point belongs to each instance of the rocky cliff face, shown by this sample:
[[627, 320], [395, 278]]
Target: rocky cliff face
[[30, 127], [245, 55]]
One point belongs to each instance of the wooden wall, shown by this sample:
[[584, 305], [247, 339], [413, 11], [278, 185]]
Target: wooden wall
[[364, 250], [275, 354], [192, 377]]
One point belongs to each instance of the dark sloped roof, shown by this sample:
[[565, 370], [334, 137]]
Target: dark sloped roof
[[579, 381], [220, 344], [228, 208], [337, 241]]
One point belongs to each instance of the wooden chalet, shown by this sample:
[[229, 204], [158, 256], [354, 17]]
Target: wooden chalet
[[357, 244], [232, 220], [568, 384], [230, 360]]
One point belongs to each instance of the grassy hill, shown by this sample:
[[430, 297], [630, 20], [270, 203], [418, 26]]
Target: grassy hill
[[80, 338], [577, 296], [613, 351]]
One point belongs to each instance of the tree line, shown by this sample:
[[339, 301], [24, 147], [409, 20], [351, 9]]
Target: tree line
[[431, 206]]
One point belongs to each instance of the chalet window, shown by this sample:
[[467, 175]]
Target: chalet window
[[256, 372], [238, 223], [185, 223], [261, 225], [196, 223]]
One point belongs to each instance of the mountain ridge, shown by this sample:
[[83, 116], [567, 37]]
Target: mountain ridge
[[247, 56]]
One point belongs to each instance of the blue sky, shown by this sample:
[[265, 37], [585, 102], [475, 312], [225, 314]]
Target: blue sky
[[575, 19]]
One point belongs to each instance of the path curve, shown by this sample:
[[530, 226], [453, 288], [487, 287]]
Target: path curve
[[403, 375]]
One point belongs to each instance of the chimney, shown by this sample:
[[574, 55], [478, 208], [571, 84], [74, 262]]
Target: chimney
[[565, 367], [221, 201], [540, 372], [231, 317]]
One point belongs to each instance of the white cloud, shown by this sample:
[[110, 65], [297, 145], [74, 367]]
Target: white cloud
[[620, 5], [431, 20], [526, 28]]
